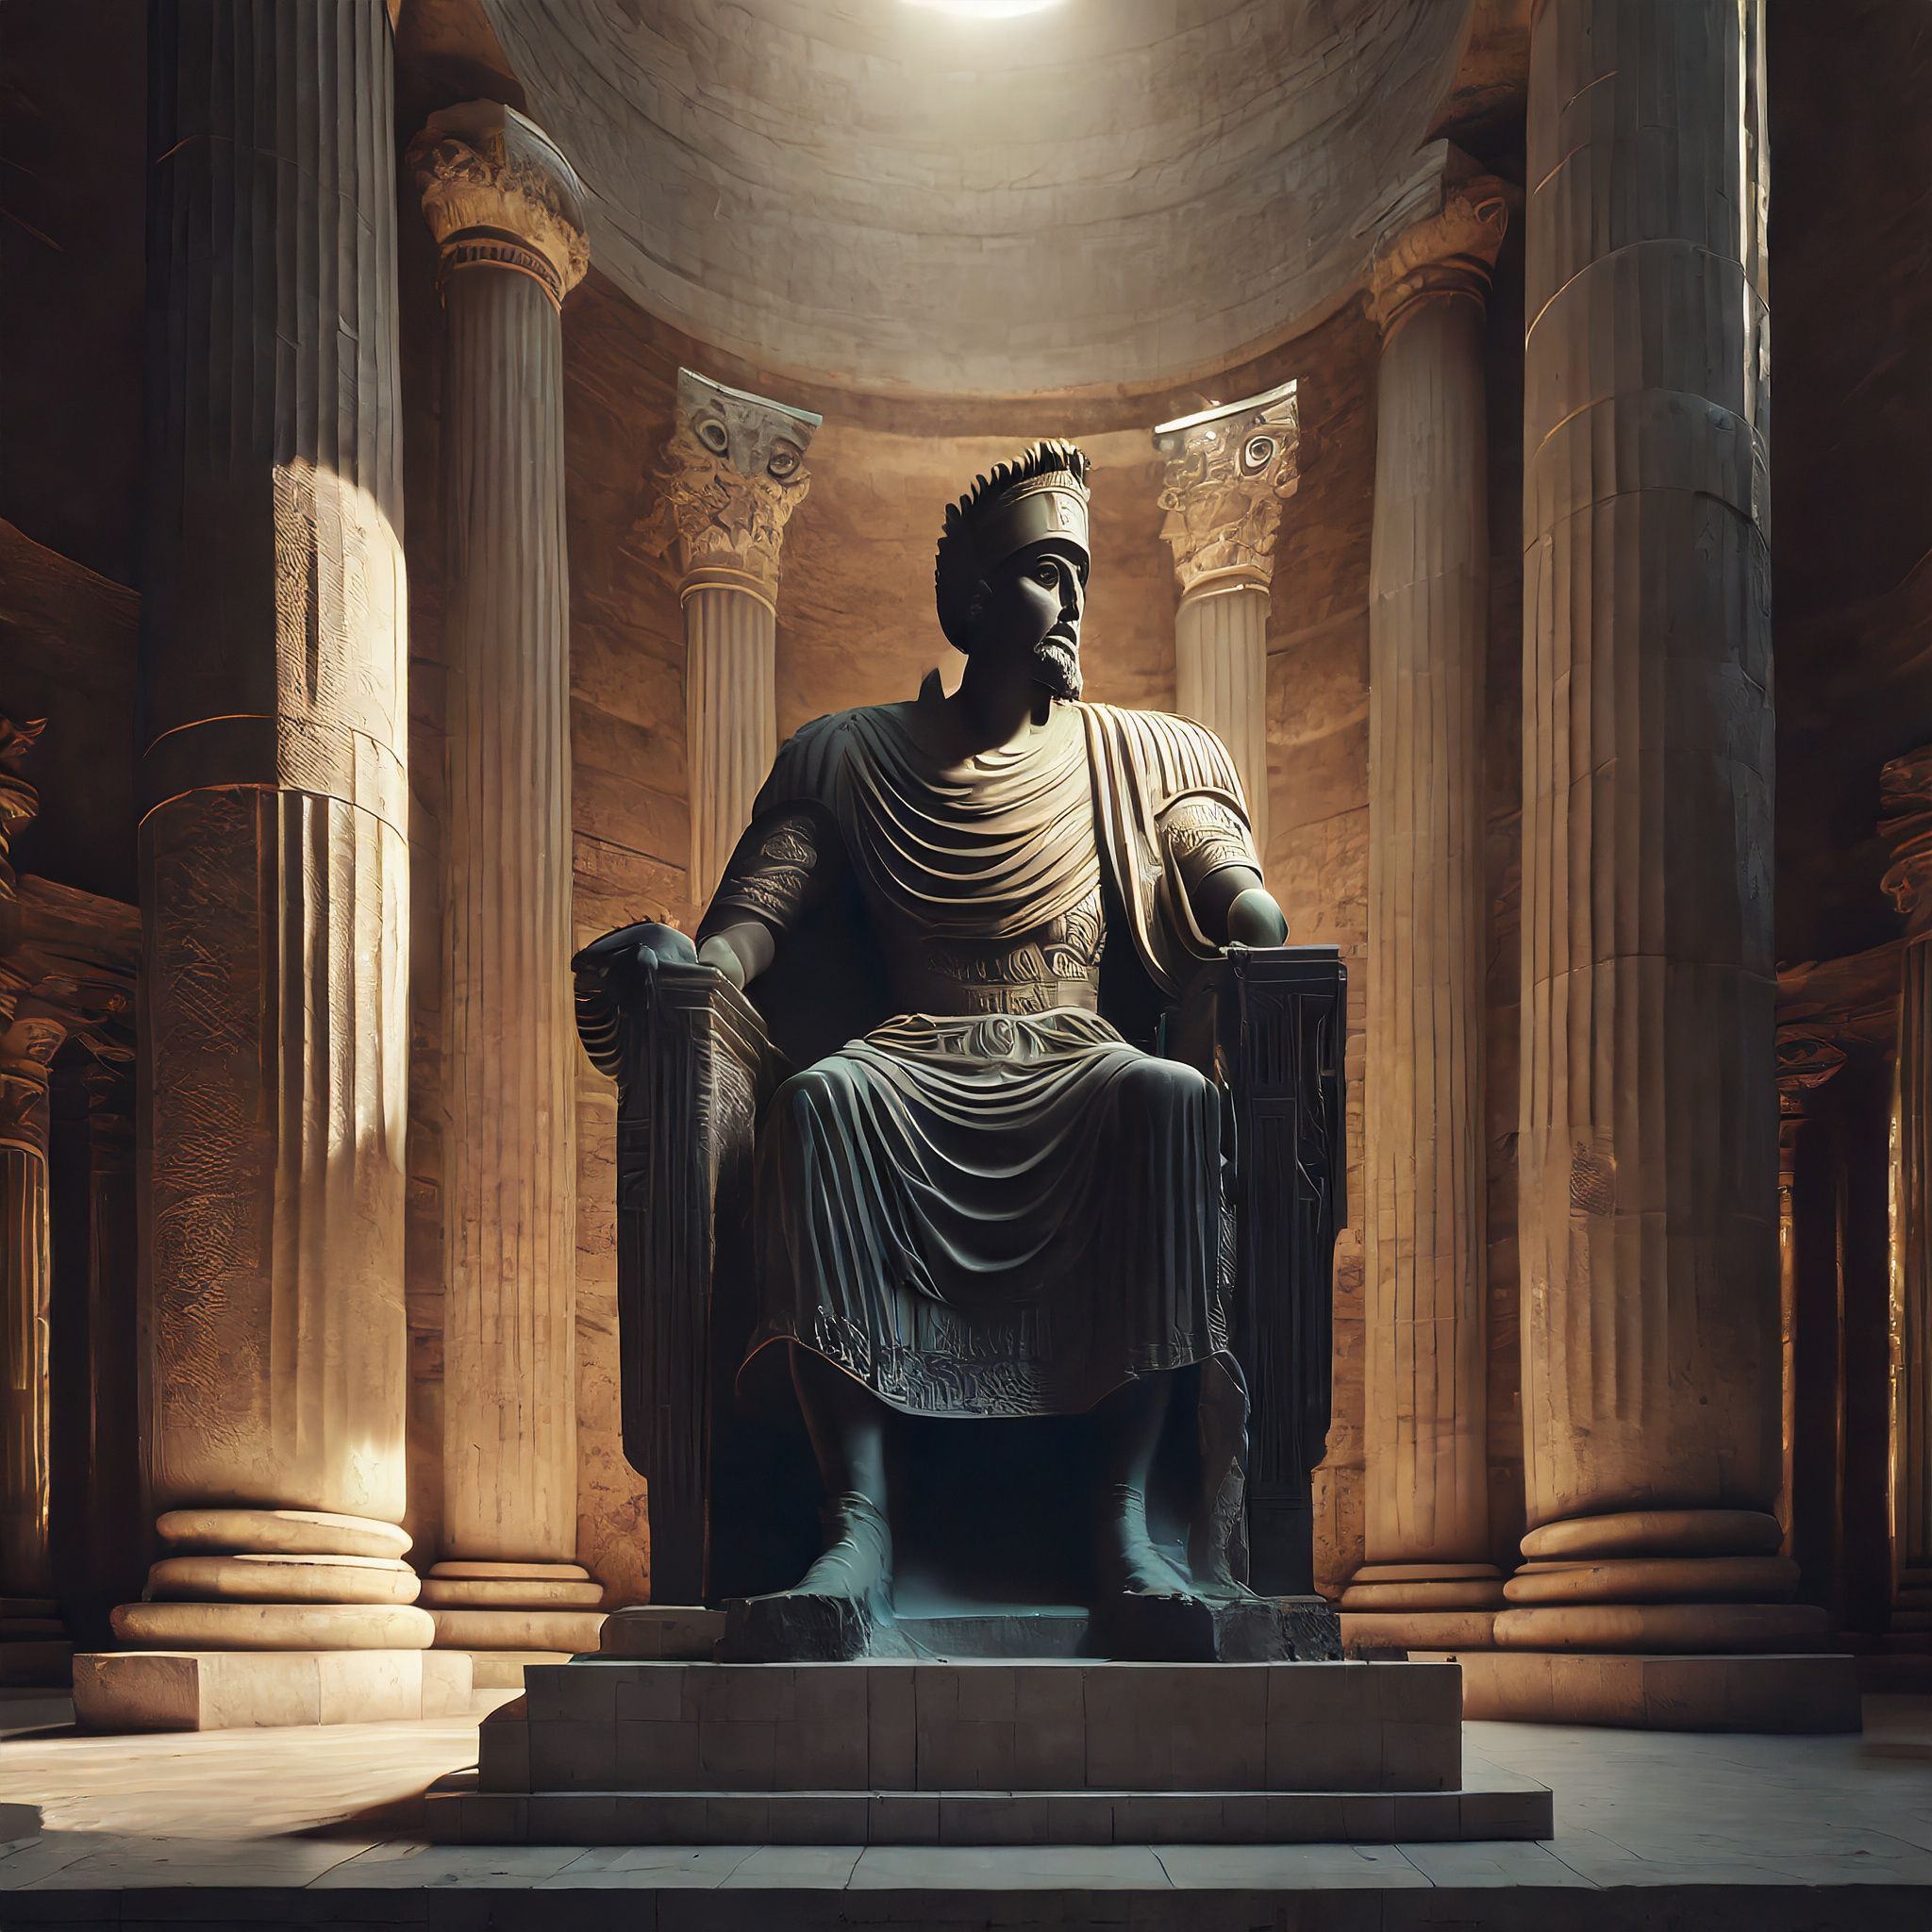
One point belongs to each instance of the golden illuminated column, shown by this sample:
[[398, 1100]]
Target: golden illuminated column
[[1906, 786], [1228, 470], [1648, 1149], [273, 868], [1427, 1578], [508, 211], [732, 473]]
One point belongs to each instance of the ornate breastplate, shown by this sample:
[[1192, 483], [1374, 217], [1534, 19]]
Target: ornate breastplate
[[1058, 965]]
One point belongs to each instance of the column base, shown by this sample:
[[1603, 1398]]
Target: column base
[[1683, 1692], [34, 1650], [1437, 1605], [495, 1606], [231, 1690]]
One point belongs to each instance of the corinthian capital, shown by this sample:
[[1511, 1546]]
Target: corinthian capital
[[1904, 790], [1229, 470], [730, 477], [1439, 240], [498, 194]]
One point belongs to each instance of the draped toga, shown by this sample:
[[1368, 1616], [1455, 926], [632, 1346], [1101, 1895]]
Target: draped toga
[[991, 1202]]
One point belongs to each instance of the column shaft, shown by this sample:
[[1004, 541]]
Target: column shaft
[[1428, 1503], [27, 1272], [509, 1353], [274, 855], [731, 719], [1912, 1295], [503, 205], [1648, 1147], [1220, 680]]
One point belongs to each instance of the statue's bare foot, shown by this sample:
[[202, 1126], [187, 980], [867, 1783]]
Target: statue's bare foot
[[840, 1609]]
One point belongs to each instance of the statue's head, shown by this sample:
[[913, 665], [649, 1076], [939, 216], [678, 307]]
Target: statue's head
[[1011, 572]]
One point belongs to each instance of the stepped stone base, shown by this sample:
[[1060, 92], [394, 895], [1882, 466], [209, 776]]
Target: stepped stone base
[[502, 1669], [227, 1690], [1403, 1633], [608, 1750], [1775, 1693], [1508, 1807]]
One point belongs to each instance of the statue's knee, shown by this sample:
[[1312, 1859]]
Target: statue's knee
[[1161, 1086], [812, 1096]]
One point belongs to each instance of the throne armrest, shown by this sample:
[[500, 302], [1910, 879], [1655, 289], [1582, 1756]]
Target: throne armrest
[[1269, 1023], [694, 1067]]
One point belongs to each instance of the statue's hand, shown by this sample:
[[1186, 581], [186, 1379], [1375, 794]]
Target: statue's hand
[[640, 948]]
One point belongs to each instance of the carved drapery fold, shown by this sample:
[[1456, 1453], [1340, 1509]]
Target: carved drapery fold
[[729, 480]]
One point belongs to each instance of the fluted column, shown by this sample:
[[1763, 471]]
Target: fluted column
[[32, 1645], [1906, 792], [732, 474], [1228, 470], [507, 210], [274, 855], [1428, 1578], [1648, 1147]]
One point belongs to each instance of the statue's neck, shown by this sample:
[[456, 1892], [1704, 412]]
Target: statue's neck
[[999, 702]]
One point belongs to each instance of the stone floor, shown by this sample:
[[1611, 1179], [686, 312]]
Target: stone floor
[[1697, 1834]]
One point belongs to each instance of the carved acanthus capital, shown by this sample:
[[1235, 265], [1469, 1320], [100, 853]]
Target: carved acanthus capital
[[731, 476], [497, 192], [19, 800], [1905, 792], [1439, 239], [1229, 470]]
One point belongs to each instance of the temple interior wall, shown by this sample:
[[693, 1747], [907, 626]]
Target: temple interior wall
[[1852, 294]]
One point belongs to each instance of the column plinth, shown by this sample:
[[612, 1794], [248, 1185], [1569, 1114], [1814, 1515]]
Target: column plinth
[[730, 479], [1228, 470], [1905, 788], [1648, 1145], [273, 851], [506, 210], [1428, 1579]]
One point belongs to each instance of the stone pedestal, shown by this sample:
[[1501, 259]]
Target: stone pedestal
[[731, 478], [506, 210], [273, 850], [1228, 470], [1649, 1115], [609, 1752], [1427, 1578], [1906, 790]]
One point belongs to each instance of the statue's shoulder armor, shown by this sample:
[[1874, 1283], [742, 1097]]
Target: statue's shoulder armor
[[1172, 754], [807, 763]]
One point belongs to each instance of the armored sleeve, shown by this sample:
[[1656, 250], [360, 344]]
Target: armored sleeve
[[1201, 834], [777, 872]]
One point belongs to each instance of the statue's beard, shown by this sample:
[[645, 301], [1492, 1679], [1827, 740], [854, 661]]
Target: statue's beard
[[1057, 665]]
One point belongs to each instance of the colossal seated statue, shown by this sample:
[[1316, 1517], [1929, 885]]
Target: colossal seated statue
[[1000, 1186]]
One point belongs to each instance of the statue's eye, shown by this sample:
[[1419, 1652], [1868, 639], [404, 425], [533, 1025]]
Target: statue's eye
[[1047, 570]]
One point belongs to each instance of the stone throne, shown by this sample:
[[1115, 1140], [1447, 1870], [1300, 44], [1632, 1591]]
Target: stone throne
[[732, 1496]]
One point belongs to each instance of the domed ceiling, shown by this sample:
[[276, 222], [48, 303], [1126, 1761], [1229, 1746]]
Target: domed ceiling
[[959, 198]]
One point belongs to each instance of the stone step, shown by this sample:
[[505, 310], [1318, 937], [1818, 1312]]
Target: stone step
[[604, 1725], [1502, 1807]]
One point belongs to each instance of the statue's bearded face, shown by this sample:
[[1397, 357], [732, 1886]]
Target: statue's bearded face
[[1033, 603]]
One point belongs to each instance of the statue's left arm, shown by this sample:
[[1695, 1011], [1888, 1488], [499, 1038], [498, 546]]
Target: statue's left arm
[[1212, 853]]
